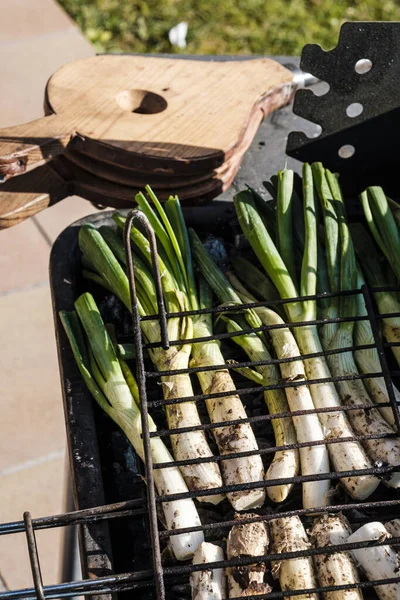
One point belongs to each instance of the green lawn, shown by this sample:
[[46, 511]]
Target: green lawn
[[222, 26]]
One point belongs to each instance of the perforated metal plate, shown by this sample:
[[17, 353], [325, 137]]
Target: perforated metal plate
[[360, 114]]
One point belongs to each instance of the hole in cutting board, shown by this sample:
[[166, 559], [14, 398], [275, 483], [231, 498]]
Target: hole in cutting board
[[141, 102]]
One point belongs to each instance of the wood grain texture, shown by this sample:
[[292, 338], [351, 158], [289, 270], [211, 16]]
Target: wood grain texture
[[70, 172], [185, 116], [24, 196], [34, 143], [130, 177]]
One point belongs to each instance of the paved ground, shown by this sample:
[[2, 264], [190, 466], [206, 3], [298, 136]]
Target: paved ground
[[36, 37]]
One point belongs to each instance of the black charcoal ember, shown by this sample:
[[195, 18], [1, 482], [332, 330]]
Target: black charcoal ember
[[180, 592], [112, 311], [217, 249]]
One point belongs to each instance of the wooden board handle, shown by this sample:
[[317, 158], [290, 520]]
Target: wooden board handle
[[24, 196], [27, 146]]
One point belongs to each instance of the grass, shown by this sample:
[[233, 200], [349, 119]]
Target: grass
[[223, 27]]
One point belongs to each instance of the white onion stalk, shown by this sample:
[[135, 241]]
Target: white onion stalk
[[346, 456], [288, 535], [352, 391], [247, 539], [378, 562], [314, 459], [368, 360], [373, 266], [382, 225], [339, 568], [232, 438], [388, 303], [185, 446], [105, 379], [285, 462], [192, 444], [395, 210], [209, 584], [364, 421], [329, 193]]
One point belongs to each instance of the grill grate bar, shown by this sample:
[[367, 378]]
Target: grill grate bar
[[277, 302], [127, 581], [257, 363], [100, 513], [329, 588], [301, 512], [33, 556], [273, 557], [271, 417], [98, 586], [263, 388], [378, 471], [266, 328], [272, 449], [151, 492]]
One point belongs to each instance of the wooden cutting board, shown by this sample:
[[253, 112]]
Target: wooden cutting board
[[181, 116], [130, 177], [22, 197], [71, 172]]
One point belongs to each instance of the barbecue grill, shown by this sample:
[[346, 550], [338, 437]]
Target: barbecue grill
[[124, 549]]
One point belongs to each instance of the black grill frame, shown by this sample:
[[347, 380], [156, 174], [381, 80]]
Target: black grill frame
[[92, 518]]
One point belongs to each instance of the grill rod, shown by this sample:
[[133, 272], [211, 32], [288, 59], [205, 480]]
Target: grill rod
[[136, 215], [103, 585]]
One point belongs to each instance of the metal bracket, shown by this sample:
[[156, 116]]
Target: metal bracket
[[360, 114]]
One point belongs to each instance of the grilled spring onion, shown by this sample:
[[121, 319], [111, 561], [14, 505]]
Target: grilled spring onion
[[232, 438], [368, 360], [378, 562], [209, 584], [334, 569], [373, 265], [247, 539], [395, 209], [384, 229], [102, 373], [393, 527], [314, 459], [285, 463], [383, 450], [185, 446], [328, 190], [126, 351], [382, 225], [288, 535], [346, 456], [256, 281]]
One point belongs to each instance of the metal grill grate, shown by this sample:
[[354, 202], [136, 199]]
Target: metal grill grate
[[162, 577]]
